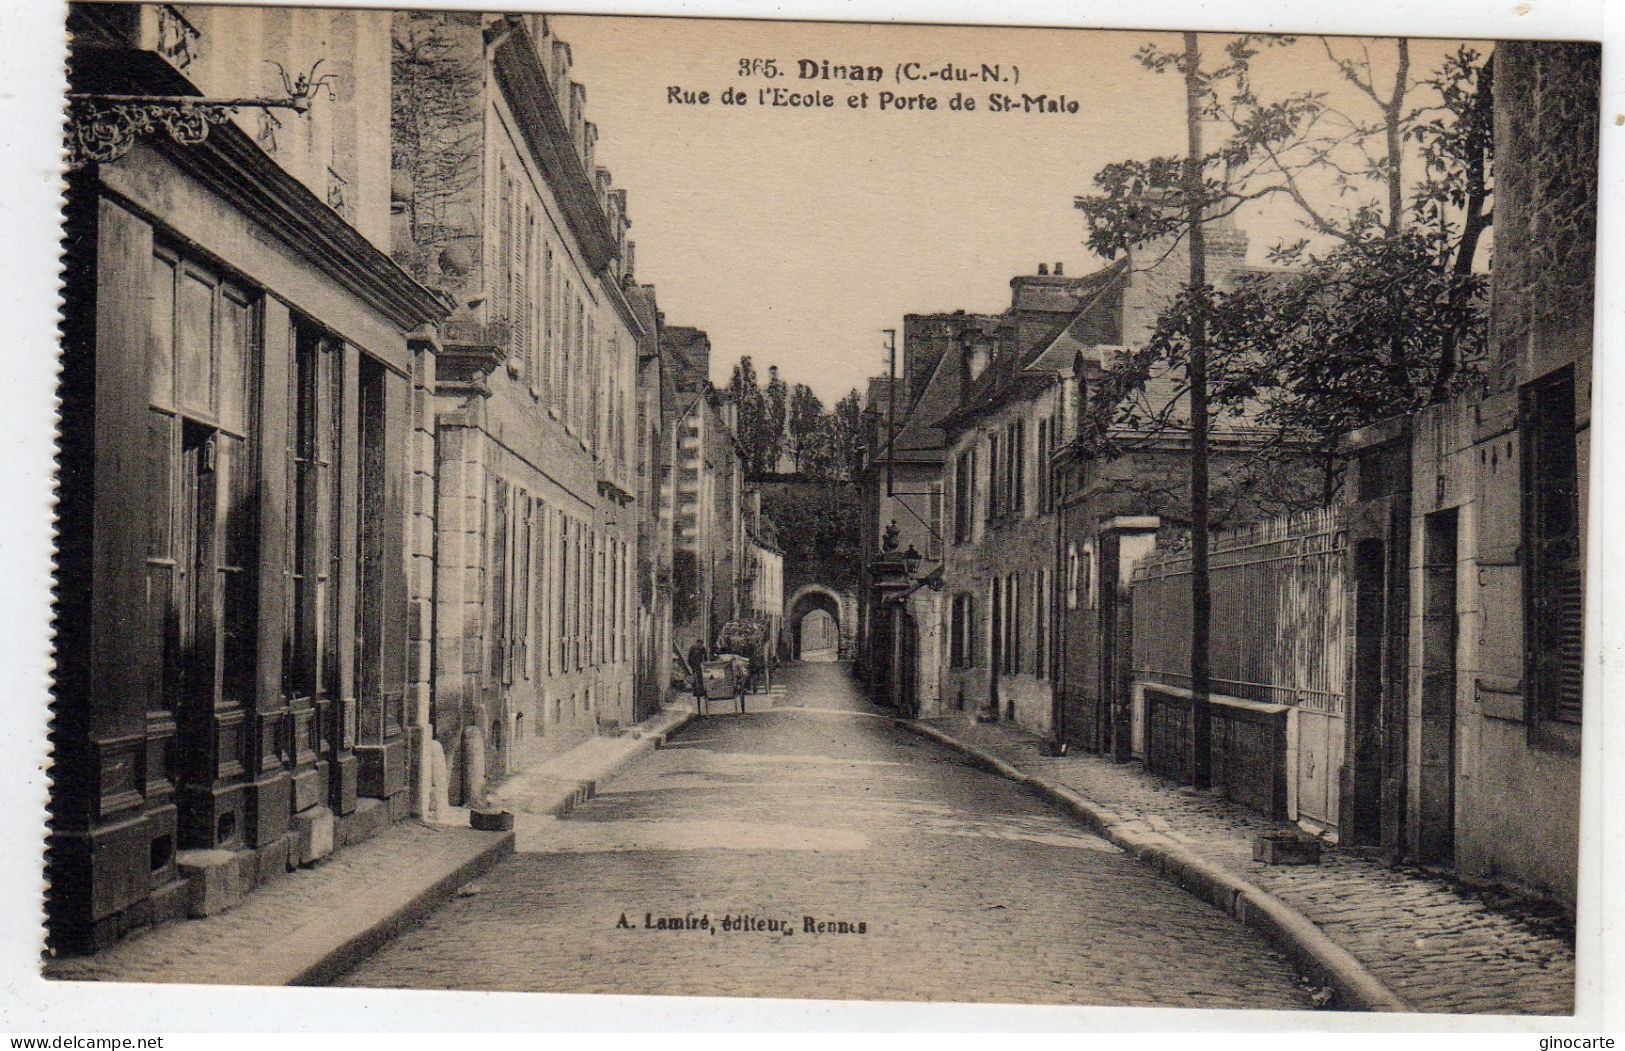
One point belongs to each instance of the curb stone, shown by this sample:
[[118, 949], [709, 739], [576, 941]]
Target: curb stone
[[1355, 988], [336, 962], [642, 739]]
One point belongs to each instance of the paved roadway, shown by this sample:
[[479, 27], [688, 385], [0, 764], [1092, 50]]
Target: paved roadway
[[933, 881]]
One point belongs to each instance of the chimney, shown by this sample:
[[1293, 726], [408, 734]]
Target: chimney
[[631, 258], [1043, 270], [1057, 269]]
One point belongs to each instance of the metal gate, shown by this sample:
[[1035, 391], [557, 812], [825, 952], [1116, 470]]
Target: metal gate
[[1277, 636]]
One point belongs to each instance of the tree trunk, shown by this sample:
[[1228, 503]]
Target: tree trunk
[[1474, 223], [1201, 596], [1393, 116]]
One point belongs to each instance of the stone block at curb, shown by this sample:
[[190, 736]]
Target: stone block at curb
[[483, 820], [314, 828], [213, 878], [1212, 884]]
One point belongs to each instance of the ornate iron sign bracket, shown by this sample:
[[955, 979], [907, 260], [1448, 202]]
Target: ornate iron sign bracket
[[102, 128]]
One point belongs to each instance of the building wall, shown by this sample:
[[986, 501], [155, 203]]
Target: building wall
[[1022, 546], [241, 428], [1546, 128], [537, 529], [1486, 775], [1515, 815], [340, 149], [709, 523], [655, 463], [1491, 774]]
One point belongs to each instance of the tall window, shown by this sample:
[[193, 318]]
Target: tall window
[[506, 304], [541, 649], [595, 411], [1041, 467], [1018, 469], [501, 668], [561, 574], [550, 350], [1554, 594], [524, 317], [1040, 623], [964, 472], [933, 543], [961, 637], [310, 666], [1015, 624], [579, 372], [520, 605], [995, 478], [202, 537]]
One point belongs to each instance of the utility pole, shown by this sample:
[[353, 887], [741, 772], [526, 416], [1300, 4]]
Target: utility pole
[[1196, 371], [891, 402]]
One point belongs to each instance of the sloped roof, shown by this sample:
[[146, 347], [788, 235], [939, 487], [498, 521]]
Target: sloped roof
[[689, 352], [1099, 320]]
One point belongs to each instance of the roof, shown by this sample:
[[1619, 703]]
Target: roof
[[1099, 320], [689, 352]]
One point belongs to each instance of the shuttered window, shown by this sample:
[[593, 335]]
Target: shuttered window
[[1554, 594], [933, 544], [994, 483], [962, 497]]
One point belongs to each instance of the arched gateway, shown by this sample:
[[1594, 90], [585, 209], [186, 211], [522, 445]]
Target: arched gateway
[[813, 616]]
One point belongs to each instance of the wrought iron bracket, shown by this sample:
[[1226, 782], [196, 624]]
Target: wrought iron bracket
[[103, 128]]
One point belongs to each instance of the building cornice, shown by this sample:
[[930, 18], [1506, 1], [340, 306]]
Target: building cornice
[[623, 306], [530, 96], [232, 166]]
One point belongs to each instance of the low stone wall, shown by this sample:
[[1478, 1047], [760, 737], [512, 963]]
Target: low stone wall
[[1249, 745]]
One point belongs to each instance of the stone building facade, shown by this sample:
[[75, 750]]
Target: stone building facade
[[902, 492], [1118, 500], [999, 566], [500, 202], [1467, 534], [707, 496], [762, 583], [242, 407], [656, 467]]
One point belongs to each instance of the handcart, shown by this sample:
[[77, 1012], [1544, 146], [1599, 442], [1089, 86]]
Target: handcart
[[747, 640], [721, 681]]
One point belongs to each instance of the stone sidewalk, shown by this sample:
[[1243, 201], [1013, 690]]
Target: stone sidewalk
[[558, 784], [1437, 946], [314, 924]]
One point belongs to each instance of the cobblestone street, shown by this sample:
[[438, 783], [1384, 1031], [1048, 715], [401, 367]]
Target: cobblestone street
[[932, 880]]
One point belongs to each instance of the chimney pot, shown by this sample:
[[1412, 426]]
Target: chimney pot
[[1043, 270], [1057, 269]]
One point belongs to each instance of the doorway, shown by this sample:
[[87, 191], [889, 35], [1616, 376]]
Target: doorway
[[1436, 803], [908, 662], [1365, 791], [819, 639]]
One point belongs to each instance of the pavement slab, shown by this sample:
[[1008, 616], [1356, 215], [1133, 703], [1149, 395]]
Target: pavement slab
[[808, 849], [1433, 943]]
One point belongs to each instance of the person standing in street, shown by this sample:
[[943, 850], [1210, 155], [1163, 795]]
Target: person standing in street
[[696, 657]]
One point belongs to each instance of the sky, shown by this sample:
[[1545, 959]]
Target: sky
[[796, 235]]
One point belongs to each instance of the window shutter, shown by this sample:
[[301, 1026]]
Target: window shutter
[[504, 273]]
